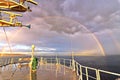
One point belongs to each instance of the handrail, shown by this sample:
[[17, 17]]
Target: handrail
[[80, 70], [107, 72]]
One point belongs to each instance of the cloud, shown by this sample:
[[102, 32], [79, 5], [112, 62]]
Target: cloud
[[55, 22], [62, 24], [93, 16], [28, 48], [118, 1], [98, 18]]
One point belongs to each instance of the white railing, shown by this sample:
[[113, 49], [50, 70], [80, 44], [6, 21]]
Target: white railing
[[83, 72]]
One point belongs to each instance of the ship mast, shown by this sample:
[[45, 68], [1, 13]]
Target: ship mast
[[7, 7], [10, 19]]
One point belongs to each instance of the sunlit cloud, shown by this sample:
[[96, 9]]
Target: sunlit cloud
[[57, 26]]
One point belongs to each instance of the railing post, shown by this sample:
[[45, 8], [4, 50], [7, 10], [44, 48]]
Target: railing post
[[86, 69], [51, 63], [64, 66], [11, 61], [77, 69], [81, 78], [8, 60], [97, 74], [56, 61], [59, 60], [41, 60], [59, 64], [0, 61], [70, 64], [73, 64], [45, 60]]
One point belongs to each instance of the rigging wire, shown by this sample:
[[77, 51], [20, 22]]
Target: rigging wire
[[13, 73], [7, 40]]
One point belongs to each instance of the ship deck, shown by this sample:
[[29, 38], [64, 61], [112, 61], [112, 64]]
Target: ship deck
[[44, 72], [51, 69]]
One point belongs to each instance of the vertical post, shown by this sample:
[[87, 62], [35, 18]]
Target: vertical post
[[46, 63], [59, 60], [0, 61], [56, 60], [97, 74], [11, 60], [8, 60], [59, 64], [51, 63], [77, 69], [86, 69], [73, 62], [33, 65], [5, 62], [56, 65], [81, 73], [41, 60], [34, 60], [33, 49], [64, 66], [32, 56], [70, 64], [40, 63]]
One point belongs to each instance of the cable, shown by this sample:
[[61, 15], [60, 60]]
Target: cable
[[13, 73], [7, 40]]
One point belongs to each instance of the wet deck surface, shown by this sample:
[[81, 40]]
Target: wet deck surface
[[44, 72]]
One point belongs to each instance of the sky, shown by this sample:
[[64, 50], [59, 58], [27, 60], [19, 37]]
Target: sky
[[81, 26]]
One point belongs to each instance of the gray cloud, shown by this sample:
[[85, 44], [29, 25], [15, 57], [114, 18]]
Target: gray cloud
[[95, 15], [55, 21], [62, 24]]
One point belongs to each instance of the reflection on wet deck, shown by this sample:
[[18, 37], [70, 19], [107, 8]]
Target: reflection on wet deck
[[44, 72]]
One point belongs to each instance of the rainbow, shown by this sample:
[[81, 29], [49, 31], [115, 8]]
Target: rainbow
[[92, 34]]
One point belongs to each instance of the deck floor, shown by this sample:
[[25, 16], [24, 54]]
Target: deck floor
[[44, 72]]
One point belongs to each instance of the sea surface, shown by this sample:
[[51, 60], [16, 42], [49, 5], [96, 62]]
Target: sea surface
[[109, 63]]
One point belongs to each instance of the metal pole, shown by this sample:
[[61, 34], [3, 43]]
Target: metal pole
[[81, 73], [86, 73], [77, 69], [97, 74], [70, 64], [33, 49], [51, 63], [73, 64], [64, 66]]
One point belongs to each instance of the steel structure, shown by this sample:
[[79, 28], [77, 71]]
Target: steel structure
[[13, 6]]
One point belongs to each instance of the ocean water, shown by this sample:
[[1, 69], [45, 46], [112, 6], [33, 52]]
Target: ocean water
[[109, 63]]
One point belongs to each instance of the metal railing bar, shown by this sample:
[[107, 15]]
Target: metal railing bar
[[116, 74], [89, 76]]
